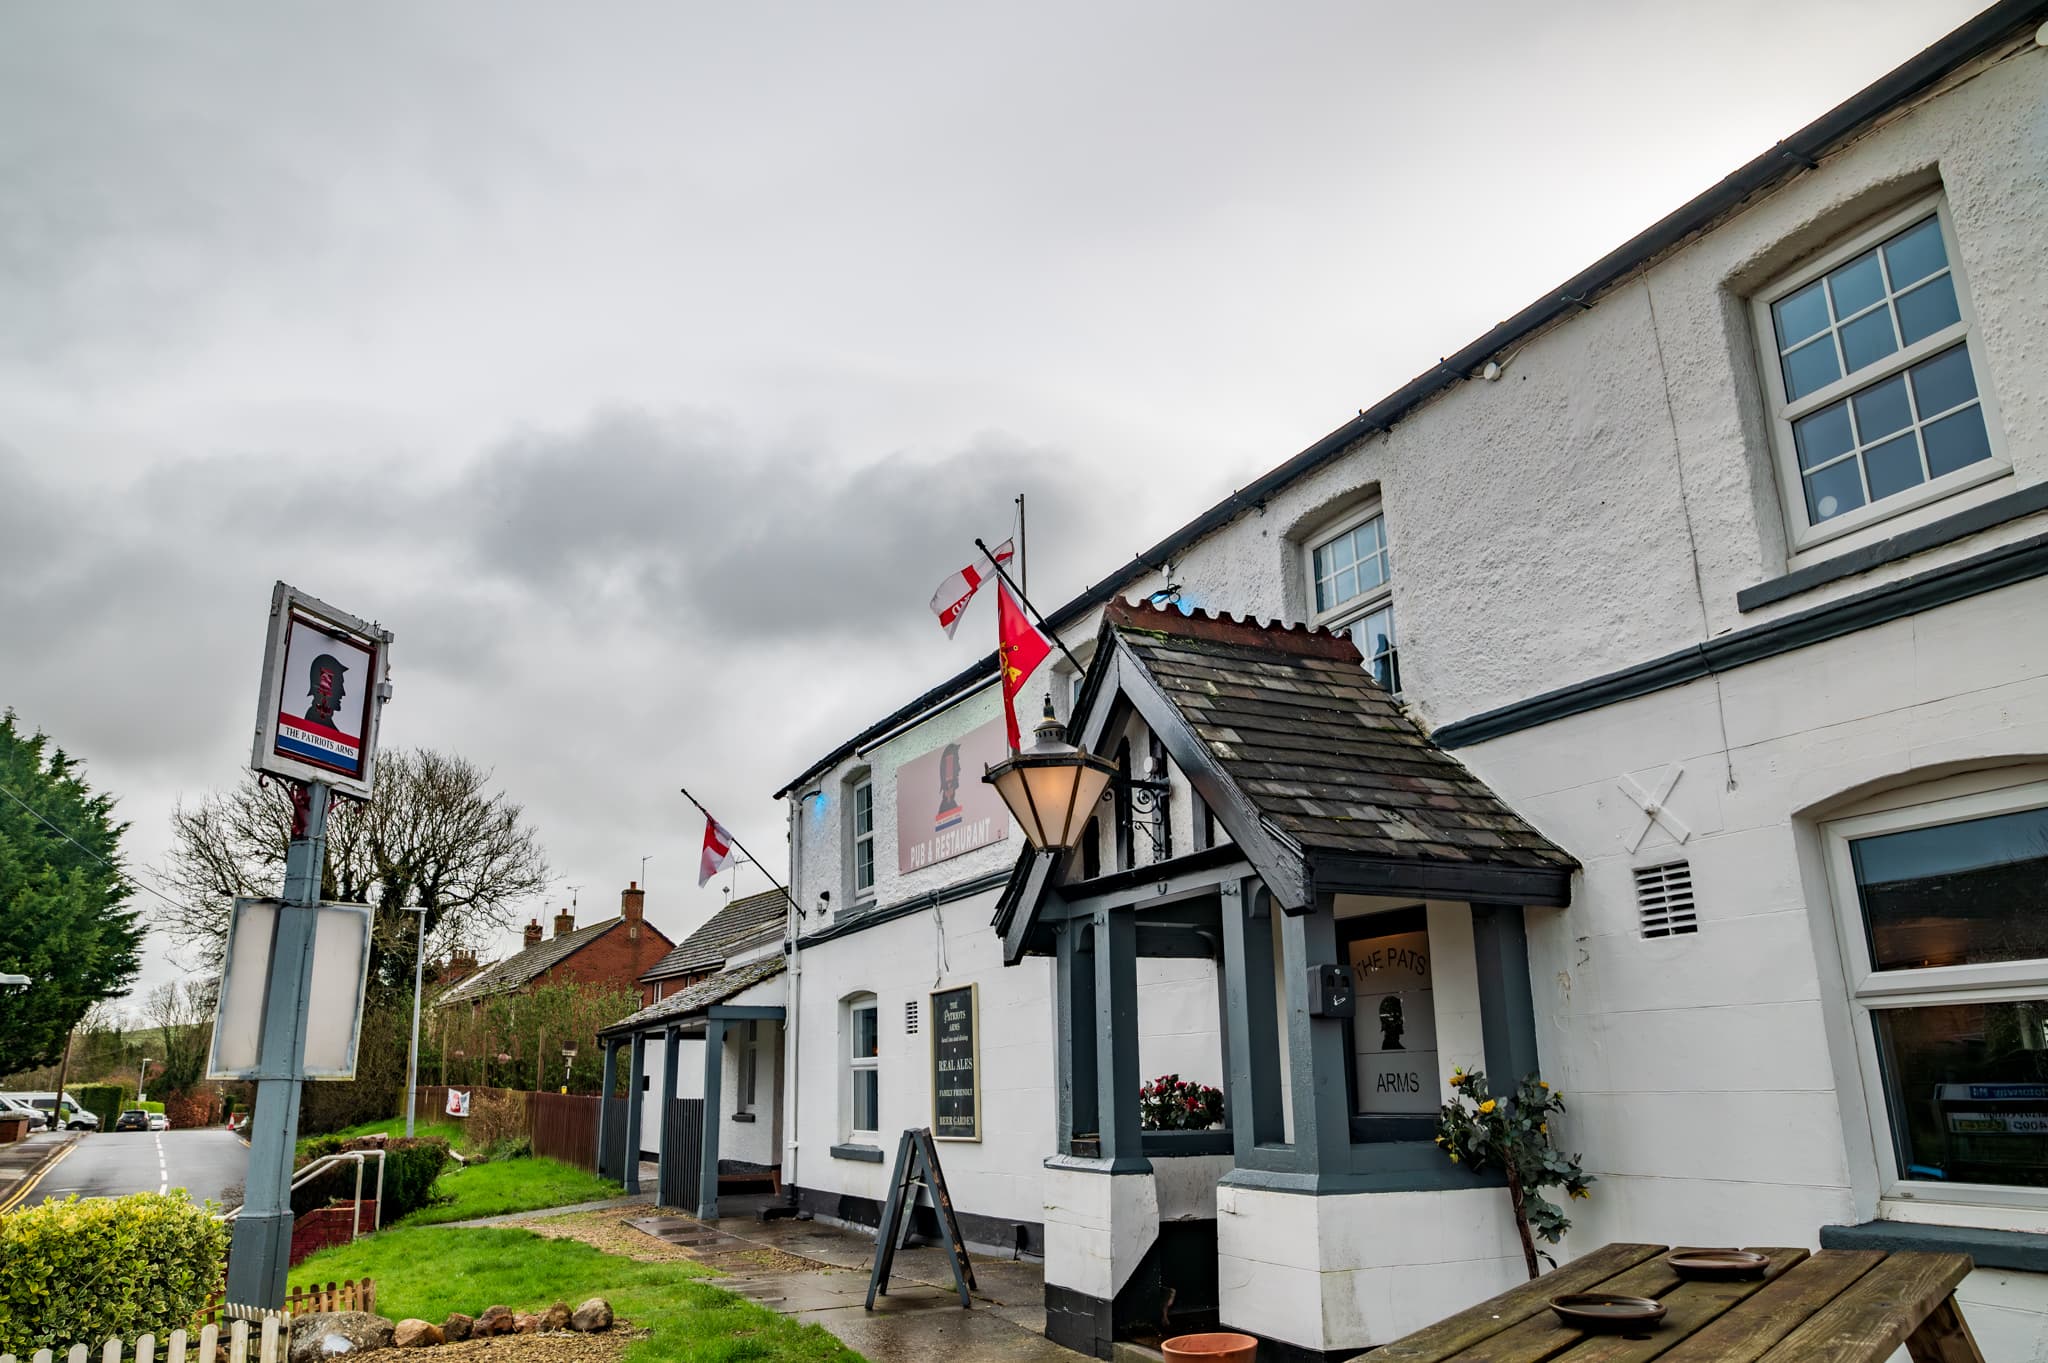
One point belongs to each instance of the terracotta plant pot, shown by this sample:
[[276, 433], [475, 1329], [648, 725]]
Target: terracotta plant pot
[[1212, 1348]]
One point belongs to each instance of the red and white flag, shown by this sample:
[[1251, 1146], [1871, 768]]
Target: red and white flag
[[949, 602], [718, 850]]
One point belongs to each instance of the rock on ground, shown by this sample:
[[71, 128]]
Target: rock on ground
[[556, 1317], [526, 1323], [413, 1333], [595, 1314], [326, 1333], [456, 1328], [496, 1320]]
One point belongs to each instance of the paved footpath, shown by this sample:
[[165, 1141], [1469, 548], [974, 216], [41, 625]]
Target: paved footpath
[[24, 1163]]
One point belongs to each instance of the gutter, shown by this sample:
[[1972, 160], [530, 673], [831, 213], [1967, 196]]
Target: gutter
[[1792, 156]]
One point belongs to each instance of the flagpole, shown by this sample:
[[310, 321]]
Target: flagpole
[[738, 844], [1023, 554], [1050, 632]]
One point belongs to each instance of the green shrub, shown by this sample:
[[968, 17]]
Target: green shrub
[[150, 1105], [102, 1100], [79, 1272], [410, 1168]]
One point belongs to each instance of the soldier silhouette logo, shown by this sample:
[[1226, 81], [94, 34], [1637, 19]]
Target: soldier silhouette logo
[[324, 684]]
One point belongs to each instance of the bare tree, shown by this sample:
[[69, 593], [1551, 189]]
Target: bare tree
[[182, 1013], [435, 837]]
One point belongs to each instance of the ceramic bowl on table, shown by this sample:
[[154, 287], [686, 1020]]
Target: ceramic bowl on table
[[1717, 1265], [1607, 1312]]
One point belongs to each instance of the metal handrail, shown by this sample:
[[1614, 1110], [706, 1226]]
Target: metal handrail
[[320, 1166]]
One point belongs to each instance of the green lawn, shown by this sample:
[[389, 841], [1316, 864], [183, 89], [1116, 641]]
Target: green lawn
[[429, 1271], [395, 1126], [513, 1185]]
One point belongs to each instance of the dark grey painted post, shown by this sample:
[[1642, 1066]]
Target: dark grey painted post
[[1315, 1046], [714, 1104], [1116, 1039], [635, 1082], [1253, 1032], [669, 1039], [1507, 1013], [1074, 1060], [607, 1095]]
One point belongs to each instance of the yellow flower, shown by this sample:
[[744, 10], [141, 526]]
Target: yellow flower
[[1542, 1084], [1489, 1105], [1581, 1192], [1543, 1127], [1454, 1157]]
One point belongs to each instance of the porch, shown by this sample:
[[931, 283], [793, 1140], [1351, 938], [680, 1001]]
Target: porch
[[1360, 897]]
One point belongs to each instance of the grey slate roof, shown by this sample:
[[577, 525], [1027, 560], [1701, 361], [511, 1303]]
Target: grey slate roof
[[1324, 754], [743, 923], [701, 995], [502, 977]]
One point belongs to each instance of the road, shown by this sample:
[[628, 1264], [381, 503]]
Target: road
[[204, 1163]]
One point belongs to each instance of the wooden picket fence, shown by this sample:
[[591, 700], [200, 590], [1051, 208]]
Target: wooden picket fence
[[272, 1332]]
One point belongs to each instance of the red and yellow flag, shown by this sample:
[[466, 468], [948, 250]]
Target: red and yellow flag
[[1020, 648]]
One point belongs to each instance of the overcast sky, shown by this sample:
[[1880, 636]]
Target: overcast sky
[[644, 367]]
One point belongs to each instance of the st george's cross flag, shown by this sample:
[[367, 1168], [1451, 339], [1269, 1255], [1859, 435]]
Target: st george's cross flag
[[949, 602], [718, 851], [1020, 649]]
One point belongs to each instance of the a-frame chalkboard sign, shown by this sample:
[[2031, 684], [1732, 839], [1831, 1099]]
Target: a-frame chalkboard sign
[[917, 1167]]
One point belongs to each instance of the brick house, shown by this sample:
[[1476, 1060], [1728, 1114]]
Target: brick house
[[615, 952]]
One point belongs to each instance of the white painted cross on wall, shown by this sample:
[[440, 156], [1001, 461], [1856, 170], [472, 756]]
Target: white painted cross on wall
[[1656, 809]]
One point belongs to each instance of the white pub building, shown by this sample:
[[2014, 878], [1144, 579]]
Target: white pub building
[[1652, 694]]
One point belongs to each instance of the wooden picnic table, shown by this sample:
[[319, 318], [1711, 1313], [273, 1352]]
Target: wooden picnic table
[[1837, 1306]]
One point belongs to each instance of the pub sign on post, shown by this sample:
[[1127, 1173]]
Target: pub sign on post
[[334, 1009], [325, 680], [956, 1064]]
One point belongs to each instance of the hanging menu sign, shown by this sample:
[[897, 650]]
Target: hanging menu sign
[[956, 1065]]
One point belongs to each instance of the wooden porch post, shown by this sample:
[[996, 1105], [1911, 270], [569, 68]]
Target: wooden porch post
[[1116, 1038], [634, 1082], [606, 1096], [669, 1037], [714, 1105], [1252, 1033], [1315, 1046]]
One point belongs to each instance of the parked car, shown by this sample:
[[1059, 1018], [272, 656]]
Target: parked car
[[75, 1117], [18, 1105], [132, 1119], [159, 1122]]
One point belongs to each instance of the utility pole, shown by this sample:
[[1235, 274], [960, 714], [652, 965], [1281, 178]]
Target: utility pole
[[260, 1253], [412, 1056]]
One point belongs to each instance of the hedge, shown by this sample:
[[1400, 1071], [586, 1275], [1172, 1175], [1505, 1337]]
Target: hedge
[[411, 1164], [79, 1272], [102, 1100], [150, 1105]]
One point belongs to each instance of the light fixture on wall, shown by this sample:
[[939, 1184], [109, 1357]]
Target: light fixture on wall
[[1051, 787]]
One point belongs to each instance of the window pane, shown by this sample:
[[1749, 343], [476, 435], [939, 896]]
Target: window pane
[[1915, 253], [1893, 466], [1346, 585], [1374, 636], [1956, 441], [1959, 894], [1325, 598], [1943, 382], [1868, 339], [1882, 409], [1811, 367], [1928, 309], [863, 809], [864, 864], [1371, 573], [1967, 1086], [1823, 435], [1801, 315], [1833, 490], [867, 1100], [1856, 285], [866, 1032]]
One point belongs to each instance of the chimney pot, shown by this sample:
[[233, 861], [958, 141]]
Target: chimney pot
[[632, 902], [533, 933]]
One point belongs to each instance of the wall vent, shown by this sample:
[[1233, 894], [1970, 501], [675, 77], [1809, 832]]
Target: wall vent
[[910, 1017], [1664, 899]]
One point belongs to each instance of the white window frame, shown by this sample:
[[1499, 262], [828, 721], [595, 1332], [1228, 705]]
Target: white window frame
[[1783, 411], [851, 1064], [1350, 612], [855, 839], [750, 1066], [2001, 792]]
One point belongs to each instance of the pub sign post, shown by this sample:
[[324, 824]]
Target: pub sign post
[[324, 683]]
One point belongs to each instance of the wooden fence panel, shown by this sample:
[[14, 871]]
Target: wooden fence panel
[[564, 1127]]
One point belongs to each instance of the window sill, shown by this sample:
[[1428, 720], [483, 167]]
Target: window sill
[[864, 1154], [2017, 1250], [743, 1116], [1934, 534]]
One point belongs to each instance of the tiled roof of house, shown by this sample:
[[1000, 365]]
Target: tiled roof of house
[[748, 922], [702, 994], [504, 976], [1318, 747]]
